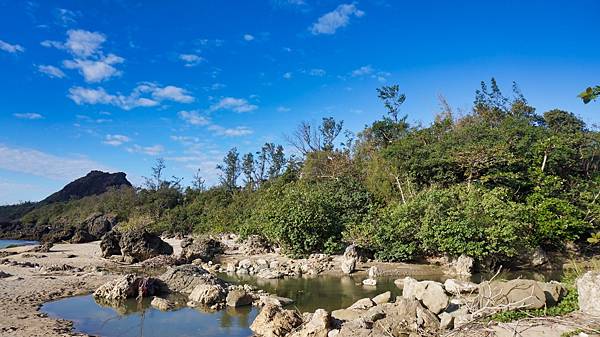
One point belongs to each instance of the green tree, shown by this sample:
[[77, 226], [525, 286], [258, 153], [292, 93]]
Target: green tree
[[230, 170]]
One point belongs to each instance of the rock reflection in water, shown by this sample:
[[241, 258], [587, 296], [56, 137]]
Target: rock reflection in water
[[136, 319]]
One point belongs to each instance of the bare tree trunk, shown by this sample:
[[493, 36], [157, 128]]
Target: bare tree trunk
[[545, 159], [400, 188]]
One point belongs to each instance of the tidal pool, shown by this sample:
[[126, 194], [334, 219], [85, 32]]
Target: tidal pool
[[140, 319]]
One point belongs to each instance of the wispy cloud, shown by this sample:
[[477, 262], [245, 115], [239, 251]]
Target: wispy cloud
[[193, 117], [116, 140], [11, 48], [154, 150], [65, 17], [318, 72], [144, 95], [28, 115], [43, 164], [338, 18], [196, 119], [369, 71], [248, 37], [51, 71], [283, 109], [230, 132], [191, 60], [287, 75], [233, 104]]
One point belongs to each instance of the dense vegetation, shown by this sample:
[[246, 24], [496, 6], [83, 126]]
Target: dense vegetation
[[492, 183]]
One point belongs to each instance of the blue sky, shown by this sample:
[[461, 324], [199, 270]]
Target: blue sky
[[114, 85]]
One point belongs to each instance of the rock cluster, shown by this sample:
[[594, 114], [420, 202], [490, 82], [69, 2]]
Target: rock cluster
[[424, 306], [276, 267], [128, 286], [135, 245], [203, 248]]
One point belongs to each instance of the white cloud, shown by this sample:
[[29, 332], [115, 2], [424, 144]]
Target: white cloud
[[52, 44], [217, 86], [149, 150], [156, 94], [65, 17], [28, 115], [233, 104], [116, 140], [248, 37], [42, 164], [339, 17], [283, 109], [96, 70], [83, 43], [193, 117], [362, 71], [369, 71], [51, 71], [191, 60], [317, 72], [230, 132], [11, 48], [287, 75]]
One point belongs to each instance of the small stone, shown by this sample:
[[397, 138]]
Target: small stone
[[162, 304], [370, 282]]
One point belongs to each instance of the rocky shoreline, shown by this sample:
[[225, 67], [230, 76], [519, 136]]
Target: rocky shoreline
[[31, 276]]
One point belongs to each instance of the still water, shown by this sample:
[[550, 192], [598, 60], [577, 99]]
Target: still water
[[8, 243], [139, 319]]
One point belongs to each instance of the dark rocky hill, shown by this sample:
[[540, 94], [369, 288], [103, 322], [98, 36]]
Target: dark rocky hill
[[94, 183]]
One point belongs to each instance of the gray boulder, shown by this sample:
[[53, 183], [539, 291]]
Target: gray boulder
[[513, 294], [203, 248], [109, 245], [588, 288], [185, 278], [208, 295], [238, 298], [316, 326], [142, 245], [128, 286], [431, 293]]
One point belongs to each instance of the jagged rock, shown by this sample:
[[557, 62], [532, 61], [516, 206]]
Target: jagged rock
[[431, 293], [142, 245], [588, 288], [43, 248], [349, 259], [255, 245], [401, 317], [456, 287], [208, 294], [4, 275], [186, 277], [128, 286], [273, 321], [463, 265], [98, 224], [538, 257], [204, 248], [82, 236], [383, 298], [316, 326], [238, 298], [109, 245], [162, 304], [513, 294], [362, 304]]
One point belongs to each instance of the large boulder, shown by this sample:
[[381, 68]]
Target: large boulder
[[405, 316], [317, 325], [99, 224], [511, 295], [456, 287], [588, 288], [430, 293], [238, 298], [208, 295], [109, 245], [462, 265], [185, 278], [204, 248], [274, 321], [128, 286], [349, 259], [82, 236], [142, 245]]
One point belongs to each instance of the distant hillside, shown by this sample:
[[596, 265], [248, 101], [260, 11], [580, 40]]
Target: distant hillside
[[94, 183]]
